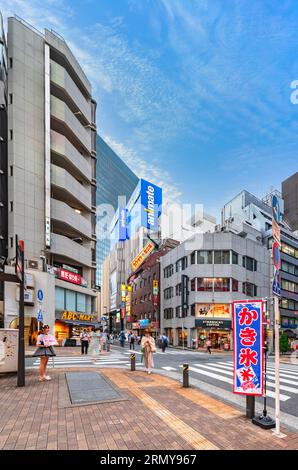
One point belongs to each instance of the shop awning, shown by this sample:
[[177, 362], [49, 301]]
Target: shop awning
[[81, 323]]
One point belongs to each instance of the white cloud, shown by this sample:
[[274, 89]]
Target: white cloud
[[143, 169]]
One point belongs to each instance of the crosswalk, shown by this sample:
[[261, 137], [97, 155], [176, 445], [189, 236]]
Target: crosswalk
[[171, 352], [113, 359], [223, 373]]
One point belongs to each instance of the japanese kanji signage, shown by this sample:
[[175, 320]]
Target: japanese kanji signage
[[248, 347], [138, 260]]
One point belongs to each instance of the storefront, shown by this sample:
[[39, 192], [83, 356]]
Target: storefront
[[69, 325], [30, 330], [218, 331], [182, 335], [170, 335]]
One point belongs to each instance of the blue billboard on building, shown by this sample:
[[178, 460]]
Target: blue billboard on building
[[144, 207], [118, 226]]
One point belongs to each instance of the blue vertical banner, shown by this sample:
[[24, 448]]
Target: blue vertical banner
[[248, 330]]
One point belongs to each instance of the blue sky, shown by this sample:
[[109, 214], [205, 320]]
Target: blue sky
[[193, 94]]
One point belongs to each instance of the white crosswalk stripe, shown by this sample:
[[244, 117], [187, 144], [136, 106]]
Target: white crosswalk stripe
[[172, 353], [223, 372], [60, 362]]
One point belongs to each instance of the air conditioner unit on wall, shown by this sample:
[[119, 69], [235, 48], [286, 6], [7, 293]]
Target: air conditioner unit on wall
[[33, 264]]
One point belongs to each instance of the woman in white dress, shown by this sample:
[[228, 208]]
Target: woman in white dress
[[94, 345]]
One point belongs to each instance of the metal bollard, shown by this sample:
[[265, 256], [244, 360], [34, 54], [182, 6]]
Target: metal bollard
[[132, 361], [250, 406], [185, 375]]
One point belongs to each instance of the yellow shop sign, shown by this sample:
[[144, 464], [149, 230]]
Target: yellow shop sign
[[76, 316]]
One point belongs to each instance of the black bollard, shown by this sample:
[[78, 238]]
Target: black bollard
[[185, 375], [250, 406], [132, 362]]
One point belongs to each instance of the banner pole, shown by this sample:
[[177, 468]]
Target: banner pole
[[277, 363]]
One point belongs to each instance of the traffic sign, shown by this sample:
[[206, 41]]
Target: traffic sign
[[276, 209], [40, 295], [40, 316], [276, 255], [276, 285]]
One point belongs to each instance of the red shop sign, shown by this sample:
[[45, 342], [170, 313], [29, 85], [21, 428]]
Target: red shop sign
[[70, 277]]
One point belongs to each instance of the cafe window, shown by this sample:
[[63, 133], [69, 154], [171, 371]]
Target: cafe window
[[205, 284], [222, 284]]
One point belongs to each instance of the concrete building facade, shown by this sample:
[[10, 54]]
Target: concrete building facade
[[290, 197], [52, 173], [224, 267]]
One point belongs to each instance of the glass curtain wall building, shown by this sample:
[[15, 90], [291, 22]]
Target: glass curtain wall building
[[114, 180]]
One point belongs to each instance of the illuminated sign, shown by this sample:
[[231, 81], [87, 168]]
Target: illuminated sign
[[70, 277], [76, 316], [213, 310], [155, 293], [140, 258]]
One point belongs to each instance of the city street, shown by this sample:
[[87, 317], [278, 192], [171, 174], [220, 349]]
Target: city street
[[210, 373]]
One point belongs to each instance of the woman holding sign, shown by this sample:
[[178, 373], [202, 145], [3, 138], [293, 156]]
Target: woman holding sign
[[45, 343]]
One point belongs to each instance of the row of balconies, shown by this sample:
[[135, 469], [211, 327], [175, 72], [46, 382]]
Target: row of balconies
[[66, 248]]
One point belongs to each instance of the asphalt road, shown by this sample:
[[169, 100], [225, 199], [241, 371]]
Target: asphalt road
[[211, 373]]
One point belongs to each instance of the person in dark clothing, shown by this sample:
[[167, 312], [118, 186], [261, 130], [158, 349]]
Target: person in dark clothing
[[122, 339], [164, 342], [132, 341], [85, 339]]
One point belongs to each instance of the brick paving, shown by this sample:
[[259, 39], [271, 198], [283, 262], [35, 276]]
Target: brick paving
[[156, 414]]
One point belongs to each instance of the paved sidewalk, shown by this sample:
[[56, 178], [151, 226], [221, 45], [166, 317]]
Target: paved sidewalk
[[155, 413]]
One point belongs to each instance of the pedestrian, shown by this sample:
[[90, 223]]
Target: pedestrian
[[148, 348], [94, 344], [164, 342], [85, 339], [45, 343], [132, 341], [122, 339], [208, 345]]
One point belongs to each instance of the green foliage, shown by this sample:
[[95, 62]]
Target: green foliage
[[283, 343]]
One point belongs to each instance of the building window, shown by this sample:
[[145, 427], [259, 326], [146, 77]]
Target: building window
[[234, 257], [11, 242], [10, 62], [59, 298], [181, 264], [168, 293], [249, 263], [250, 289], [221, 284], [193, 284], [235, 285], [10, 134], [193, 257], [10, 98], [289, 250], [178, 289], [70, 300], [193, 310], [289, 286], [11, 206], [11, 170], [221, 257], [81, 302], [179, 312], [168, 271], [204, 257], [205, 284]]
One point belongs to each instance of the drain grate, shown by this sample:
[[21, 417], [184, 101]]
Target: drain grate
[[90, 387]]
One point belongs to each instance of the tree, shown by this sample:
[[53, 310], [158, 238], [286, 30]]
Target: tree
[[283, 343]]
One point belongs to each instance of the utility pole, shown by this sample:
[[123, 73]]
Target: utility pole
[[20, 272]]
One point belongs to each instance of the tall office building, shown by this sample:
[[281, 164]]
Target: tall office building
[[114, 180], [3, 160], [51, 180], [290, 197]]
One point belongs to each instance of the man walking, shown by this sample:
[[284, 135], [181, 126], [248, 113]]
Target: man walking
[[131, 341], [164, 342], [85, 338], [208, 345]]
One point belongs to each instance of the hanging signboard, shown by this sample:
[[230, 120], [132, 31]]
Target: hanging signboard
[[248, 368]]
